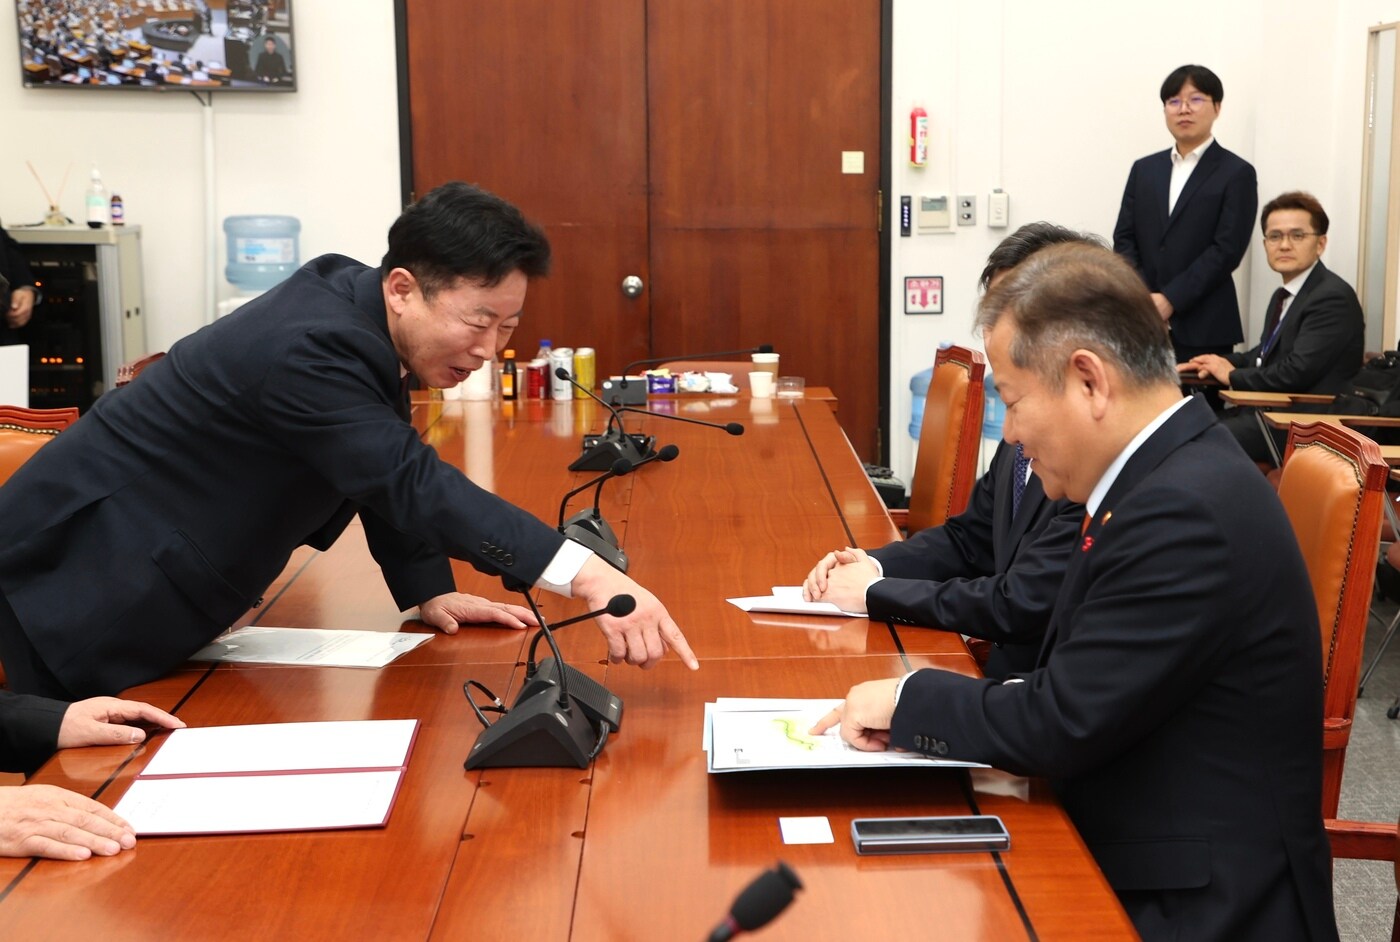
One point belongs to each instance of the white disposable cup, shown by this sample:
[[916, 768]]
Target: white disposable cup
[[761, 384]]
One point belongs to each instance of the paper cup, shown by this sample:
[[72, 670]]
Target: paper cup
[[767, 362], [761, 384]]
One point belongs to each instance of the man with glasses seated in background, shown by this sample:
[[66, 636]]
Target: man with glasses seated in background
[[1185, 219], [1314, 330]]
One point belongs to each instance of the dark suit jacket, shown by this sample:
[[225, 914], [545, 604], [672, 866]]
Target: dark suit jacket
[[28, 730], [1190, 255], [983, 573], [1178, 705], [15, 270], [1319, 346], [144, 530]]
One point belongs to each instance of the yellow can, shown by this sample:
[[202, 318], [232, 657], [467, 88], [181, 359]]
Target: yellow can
[[585, 370]]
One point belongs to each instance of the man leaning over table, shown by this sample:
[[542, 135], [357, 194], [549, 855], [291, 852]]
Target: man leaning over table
[[1314, 330], [46, 821], [1177, 703], [992, 571], [149, 526]]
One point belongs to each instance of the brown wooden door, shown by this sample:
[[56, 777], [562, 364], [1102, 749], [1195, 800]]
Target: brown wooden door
[[697, 145]]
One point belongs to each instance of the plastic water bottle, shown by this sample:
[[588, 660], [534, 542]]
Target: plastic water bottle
[[99, 209], [262, 250], [918, 385], [546, 350]]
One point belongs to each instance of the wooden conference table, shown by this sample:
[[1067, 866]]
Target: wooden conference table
[[642, 845]]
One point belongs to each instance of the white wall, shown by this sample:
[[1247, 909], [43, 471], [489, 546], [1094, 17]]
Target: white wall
[[327, 154], [1050, 101], [1053, 101]]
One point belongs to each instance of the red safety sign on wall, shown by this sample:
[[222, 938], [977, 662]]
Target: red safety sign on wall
[[923, 295]]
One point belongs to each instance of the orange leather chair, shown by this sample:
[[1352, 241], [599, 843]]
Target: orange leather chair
[[949, 439], [1362, 840], [1332, 486], [129, 371], [24, 431]]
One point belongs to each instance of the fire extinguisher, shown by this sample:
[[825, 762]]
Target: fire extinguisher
[[918, 138]]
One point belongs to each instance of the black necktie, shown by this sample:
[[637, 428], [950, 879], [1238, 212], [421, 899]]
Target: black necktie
[[1271, 321], [1018, 481]]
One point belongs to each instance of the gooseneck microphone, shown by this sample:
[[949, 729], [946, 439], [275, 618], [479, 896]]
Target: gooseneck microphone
[[759, 903], [633, 393], [593, 519], [598, 703], [546, 726], [619, 467], [599, 451], [733, 428]]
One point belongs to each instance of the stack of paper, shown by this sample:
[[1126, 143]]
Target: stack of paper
[[788, 599], [275, 777], [314, 647], [745, 734]]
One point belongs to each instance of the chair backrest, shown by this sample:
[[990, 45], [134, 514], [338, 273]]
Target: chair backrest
[[130, 370], [25, 431], [949, 439], [1332, 486]]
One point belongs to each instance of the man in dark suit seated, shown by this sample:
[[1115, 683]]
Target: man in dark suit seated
[[1186, 216], [45, 821], [272, 68], [1177, 703], [148, 527], [1314, 329], [991, 572]]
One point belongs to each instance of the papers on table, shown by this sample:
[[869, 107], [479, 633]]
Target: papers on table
[[316, 647], [744, 734], [274, 777], [788, 599]]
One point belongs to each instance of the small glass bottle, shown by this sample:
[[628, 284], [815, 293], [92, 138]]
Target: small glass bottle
[[118, 210], [508, 376]]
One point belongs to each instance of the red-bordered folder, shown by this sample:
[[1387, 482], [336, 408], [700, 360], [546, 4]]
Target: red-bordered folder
[[272, 777]]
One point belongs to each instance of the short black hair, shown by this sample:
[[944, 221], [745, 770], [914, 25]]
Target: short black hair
[[1025, 242], [1198, 75], [1296, 199], [459, 231]]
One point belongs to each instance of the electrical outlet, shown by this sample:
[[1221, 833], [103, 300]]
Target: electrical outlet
[[998, 210], [967, 210]]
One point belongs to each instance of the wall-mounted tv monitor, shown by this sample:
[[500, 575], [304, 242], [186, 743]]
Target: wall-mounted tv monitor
[[157, 45]]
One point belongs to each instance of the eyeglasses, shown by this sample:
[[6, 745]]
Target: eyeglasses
[[1194, 103], [1293, 236]]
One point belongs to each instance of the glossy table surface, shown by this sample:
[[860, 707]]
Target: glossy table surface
[[643, 844]]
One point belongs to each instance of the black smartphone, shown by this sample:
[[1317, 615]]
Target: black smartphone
[[929, 835]]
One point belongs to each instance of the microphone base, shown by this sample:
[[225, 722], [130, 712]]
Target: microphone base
[[598, 703], [585, 520], [537, 733], [632, 393], [607, 552], [600, 452]]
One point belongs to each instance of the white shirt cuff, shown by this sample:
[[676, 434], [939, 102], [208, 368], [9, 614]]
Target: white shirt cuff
[[899, 688], [564, 568]]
